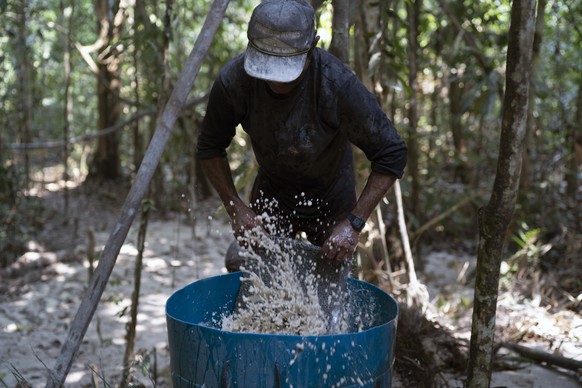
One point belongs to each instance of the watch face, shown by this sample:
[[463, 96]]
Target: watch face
[[357, 223]]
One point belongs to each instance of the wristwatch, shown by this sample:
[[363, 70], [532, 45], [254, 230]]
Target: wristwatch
[[357, 223]]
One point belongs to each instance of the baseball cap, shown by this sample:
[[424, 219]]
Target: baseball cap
[[280, 34]]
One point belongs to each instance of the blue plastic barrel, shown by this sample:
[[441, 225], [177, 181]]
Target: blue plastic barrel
[[202, 355]]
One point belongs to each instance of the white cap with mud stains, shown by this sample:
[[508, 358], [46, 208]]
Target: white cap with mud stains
[[280, 34]]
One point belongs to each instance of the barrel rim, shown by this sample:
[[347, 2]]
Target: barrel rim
[[392, 321]]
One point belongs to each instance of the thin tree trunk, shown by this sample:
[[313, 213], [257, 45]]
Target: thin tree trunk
[[132, 324], [416, 292], [435, 105], [370, 24], [341, 30], [166, 38], [67, 14], [25, 70], [144, 175], [531, 122], [574, 144], [387, 267], [456, 95], [413, 10], [496, 216], [137, 138], [316, 4]]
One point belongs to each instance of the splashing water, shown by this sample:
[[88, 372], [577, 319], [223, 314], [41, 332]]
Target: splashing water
[[281, 291], [286, 289], [279, 298]]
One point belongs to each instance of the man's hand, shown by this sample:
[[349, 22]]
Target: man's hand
[[341, 245], [246, 226]]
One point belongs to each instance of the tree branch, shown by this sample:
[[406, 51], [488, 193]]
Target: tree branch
[[431, 223], [90, 136], [541, 356]]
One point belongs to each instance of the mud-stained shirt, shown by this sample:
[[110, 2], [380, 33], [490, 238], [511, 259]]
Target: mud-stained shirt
[[302, 141]]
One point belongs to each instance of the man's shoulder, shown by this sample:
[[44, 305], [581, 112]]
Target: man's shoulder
[[333, 70]]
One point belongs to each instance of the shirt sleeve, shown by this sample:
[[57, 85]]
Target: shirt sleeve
[[370, 130], [219, 124]]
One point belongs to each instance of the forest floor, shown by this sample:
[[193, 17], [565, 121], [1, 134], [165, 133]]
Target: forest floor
[[40, 294]]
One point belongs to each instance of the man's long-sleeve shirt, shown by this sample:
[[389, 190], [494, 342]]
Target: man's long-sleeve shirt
[[301, 141]]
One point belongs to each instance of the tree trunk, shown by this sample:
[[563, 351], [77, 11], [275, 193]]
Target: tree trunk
[[67, 14], [132, 324], [136, 52], [413, 11], [367, 23], [25, 82], [574, 143], [317, 4], [495, 217], [106, 163], [455, 102], [341, 30], [531, 122]]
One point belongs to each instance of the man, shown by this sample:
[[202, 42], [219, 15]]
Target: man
[[302, 109]]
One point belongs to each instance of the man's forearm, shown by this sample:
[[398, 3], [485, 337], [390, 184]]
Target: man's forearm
[[218, 172], [244, 220], [376, 188], [341, 244]]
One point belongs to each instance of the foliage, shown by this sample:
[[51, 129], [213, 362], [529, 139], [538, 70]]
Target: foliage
[[530, 251]]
